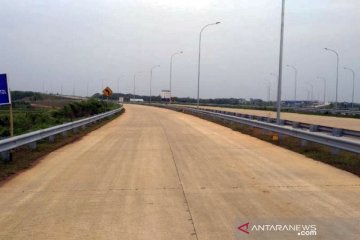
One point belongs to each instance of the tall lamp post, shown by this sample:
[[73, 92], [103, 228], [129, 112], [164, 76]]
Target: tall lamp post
[[312, 91], [296, 74], [135, 82], [151, 79], [324, 81], [118, 83], [275, 75], [268, 89], [353, 88], [198, 87], [278, 101], [171, 60], [337, 74]]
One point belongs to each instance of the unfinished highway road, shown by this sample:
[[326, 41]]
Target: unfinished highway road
[[158, 174]]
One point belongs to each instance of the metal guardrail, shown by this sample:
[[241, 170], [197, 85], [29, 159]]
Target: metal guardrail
[[337, 132], [306, 135], [355, 112], [331, 111], [31, 138]]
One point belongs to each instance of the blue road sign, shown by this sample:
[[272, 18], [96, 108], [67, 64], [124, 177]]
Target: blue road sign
[[4, 91]]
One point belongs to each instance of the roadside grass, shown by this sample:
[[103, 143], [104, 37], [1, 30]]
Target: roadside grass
[[28, 119], [338, 158], [24, 158]]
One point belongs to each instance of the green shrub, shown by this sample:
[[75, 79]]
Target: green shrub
[[26, 120]]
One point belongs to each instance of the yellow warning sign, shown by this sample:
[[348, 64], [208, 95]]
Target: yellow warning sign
[[107, 92]]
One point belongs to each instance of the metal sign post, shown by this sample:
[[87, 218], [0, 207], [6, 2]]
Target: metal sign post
[[107, 92], [5, 99]]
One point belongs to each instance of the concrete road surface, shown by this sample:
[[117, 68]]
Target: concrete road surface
[[158, 174], [336, 122]]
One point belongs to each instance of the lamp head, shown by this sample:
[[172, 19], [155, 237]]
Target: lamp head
[[217, 22]]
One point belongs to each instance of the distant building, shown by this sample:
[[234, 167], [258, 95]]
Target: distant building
[[298, 103], [242, 101], [165, 94], [254, 101]]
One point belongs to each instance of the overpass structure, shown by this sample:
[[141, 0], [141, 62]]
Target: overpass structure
[[153, 173]]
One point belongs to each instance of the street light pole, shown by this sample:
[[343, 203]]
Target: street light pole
[[275, 75], [324, 87], [151, 79], [337, 74], [135, 83], [353, 88], [312, 91], [278, 103], [296, 74], [118, 84], [171, 60], [268, 87], [198, 87]]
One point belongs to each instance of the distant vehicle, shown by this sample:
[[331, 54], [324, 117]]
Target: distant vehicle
[[136, 100], [121, 99]]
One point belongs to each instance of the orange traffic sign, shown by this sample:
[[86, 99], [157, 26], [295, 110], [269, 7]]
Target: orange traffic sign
[[107, 92]]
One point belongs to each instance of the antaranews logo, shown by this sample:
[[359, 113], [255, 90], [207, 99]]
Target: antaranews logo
[[244, 228], [298, 229]]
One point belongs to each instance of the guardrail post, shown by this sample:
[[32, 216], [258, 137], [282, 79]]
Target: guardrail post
[[264, 131], [303, 143], [83, 127], [6, 156], [281, 137], [75, 130], [313, 128], [64, 134], [51, 139], [335, 151], [32, 145], [337, 132]]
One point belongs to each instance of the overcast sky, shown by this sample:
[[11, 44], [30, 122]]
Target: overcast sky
[[66, 43]]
